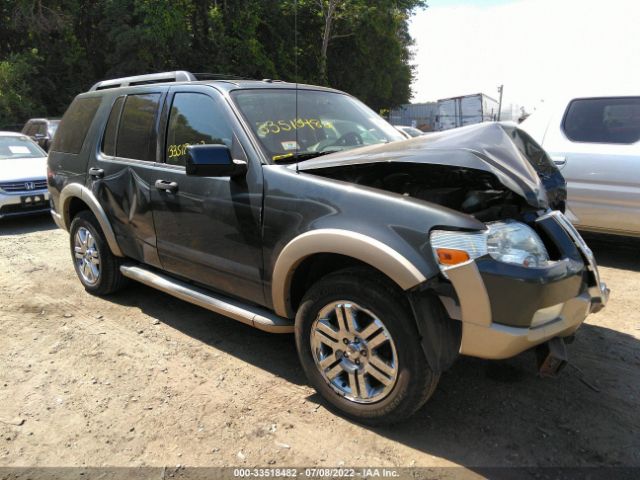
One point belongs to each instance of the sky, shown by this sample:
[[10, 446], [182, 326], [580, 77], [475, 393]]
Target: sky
[[538, 49]]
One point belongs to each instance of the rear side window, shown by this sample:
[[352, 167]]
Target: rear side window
[[75, 124], [109, 139], [195, 119], [603, 120], [136, 137]]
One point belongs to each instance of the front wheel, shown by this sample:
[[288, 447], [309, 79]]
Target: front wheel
[[360, 349]]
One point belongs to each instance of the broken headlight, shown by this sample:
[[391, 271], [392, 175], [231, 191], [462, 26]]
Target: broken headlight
[[507, 241]]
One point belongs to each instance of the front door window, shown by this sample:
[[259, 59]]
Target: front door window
[[195, 119]]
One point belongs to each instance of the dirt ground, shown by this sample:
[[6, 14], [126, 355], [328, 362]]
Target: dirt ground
[[143, 379]]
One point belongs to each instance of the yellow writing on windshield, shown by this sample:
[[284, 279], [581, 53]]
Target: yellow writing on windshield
[[274, 127]]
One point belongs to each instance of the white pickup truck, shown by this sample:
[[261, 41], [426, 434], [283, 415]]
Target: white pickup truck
[[595, 141]]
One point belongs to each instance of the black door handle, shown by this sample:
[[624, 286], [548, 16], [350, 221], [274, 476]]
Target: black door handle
[[166, 185], [96, 172]]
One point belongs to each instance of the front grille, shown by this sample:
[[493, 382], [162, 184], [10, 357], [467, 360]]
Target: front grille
[[23, 186], [24, 208]]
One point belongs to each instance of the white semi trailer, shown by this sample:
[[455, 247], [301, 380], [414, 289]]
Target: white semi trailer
[[466, 110]]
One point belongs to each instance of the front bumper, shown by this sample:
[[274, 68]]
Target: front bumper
[[505, 310], [23, 203]]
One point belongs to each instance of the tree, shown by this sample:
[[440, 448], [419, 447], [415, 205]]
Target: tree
[[15, 92], [51, 51]]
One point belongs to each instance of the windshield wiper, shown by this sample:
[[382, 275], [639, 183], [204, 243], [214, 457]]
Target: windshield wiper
[[298, 157]]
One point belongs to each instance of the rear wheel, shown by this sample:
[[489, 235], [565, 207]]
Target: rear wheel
[[359, 346], [97, 268]]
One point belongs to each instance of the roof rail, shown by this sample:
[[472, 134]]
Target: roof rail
[[177, 76], [218, 76]]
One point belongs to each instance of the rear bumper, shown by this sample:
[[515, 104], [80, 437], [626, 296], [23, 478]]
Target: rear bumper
[[504, 311], [23, 203]]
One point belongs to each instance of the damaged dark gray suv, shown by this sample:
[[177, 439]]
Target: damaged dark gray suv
[[294, 208]]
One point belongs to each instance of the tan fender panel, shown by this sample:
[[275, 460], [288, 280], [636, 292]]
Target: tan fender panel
[[83, 193], [342, 242]]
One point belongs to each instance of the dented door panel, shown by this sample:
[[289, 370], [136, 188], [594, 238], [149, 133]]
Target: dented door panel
[[124, 191]]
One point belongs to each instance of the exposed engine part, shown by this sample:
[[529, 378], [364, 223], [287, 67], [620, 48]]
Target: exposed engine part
[[551, 357], [477, 193]]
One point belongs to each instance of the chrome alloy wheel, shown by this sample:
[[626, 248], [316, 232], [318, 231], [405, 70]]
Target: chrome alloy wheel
[[354, 352], [87, 256]]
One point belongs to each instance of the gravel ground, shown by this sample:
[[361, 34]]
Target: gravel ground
[[143, 379]]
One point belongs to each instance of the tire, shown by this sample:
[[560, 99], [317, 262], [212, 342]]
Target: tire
[[106, 277], [368, 394]]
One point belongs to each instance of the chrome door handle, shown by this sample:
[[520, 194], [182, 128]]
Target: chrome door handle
[[166, 185], [559, 160]]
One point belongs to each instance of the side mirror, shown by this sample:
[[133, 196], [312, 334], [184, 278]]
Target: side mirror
[[213, 161]]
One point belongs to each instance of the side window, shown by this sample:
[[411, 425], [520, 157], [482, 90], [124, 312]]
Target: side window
[[195, 118], [75, 124], [603, 120], [135, 133], [109, 139], [42, 129]]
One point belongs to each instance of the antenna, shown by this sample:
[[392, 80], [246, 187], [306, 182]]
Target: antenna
[[295, 68]]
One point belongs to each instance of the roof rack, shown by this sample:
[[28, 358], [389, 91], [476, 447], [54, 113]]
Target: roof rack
[[177, 76], [217, 76]]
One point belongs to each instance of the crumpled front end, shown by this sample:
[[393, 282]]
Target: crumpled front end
[[528, 276], [506, 308], [488, 171]]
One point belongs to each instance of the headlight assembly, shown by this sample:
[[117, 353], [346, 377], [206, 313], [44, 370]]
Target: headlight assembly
[[507, 241], [514, 242], [454, 248]]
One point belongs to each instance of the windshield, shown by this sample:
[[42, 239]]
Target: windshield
[[323, 122], [19, 147]]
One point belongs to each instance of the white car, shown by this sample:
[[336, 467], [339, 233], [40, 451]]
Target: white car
[[23, 176], [595, 141]]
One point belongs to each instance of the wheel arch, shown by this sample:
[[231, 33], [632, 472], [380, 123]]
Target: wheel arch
[[353, 247], [74, 198]]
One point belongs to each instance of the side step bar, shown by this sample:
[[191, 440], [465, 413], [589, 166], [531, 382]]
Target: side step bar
[[257, 317]]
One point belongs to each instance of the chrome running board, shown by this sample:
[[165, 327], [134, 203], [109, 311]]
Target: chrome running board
[[257, 317]]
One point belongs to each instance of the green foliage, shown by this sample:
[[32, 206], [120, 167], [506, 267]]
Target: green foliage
[[15, 93], [53, 52]]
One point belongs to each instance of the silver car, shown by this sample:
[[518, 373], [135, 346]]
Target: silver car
[[595, 141], [23, 176]]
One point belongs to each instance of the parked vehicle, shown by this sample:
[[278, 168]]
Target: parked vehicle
[[41, 130], [595, 141], [410, 132], [419, 115], [294, 208], [466, 110], [23, 176]]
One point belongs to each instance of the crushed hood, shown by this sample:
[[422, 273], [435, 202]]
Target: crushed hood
[[502, 149]]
